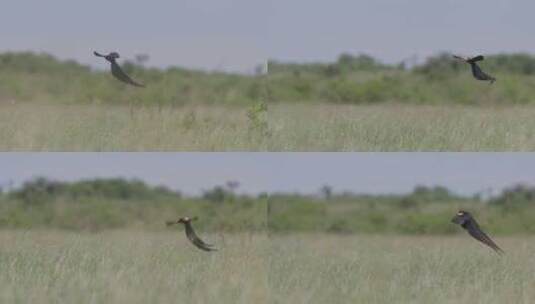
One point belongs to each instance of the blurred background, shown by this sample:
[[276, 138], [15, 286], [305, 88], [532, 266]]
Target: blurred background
[[361, 52], [410, 193], [96, 191], [394, 31], [237, 75], [206, 35], [186, 51], [203, 64], [338, 52]]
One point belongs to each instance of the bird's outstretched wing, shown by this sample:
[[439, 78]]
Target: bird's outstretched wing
[[460, 57], [481, 236], [170, 223], [122, 76], [98, 54], [192, 236], [477, 58], [468, 59]]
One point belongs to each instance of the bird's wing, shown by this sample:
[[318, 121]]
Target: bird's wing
[[98, 54], [121, 75], [461, 58], [477, 58], [192, 236], [478, 234]]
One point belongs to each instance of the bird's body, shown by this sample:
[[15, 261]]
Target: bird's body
[[476, 70], [191, 235], [467, 221], [116, 70]]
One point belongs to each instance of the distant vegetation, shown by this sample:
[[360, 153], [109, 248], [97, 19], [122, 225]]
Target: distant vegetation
[[439, 80], [424, 211], [41, 77], [117, 203], [352, 79]]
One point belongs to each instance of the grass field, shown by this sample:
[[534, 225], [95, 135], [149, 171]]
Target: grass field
[[130, 267], [283, 127], [322, 127], [162, 267], [41, 127], [389, 269]]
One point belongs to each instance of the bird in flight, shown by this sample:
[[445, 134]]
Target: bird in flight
[[190, 233], [467, 221], [116, 69], [476, 70]]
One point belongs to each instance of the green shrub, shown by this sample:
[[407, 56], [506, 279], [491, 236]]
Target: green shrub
[[41, 77], [116, 203]]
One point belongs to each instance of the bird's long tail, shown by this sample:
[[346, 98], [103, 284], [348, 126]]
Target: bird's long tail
[[484, 238]]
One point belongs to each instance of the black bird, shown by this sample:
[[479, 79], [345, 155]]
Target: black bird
[[116, 69], [192, 236], [476, 70], [467, 221]]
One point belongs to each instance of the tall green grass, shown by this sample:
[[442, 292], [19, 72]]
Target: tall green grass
[[130, 267], [298, 127], [141, 267], [52, 127], [321, 268], [397, 127]]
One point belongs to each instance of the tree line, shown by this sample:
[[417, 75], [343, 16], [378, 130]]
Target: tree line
[[117, 203]]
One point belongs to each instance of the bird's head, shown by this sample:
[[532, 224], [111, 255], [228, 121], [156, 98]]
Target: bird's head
[[182, 220], [461, 217], [186, 219]]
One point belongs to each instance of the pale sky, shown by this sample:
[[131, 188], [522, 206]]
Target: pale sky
[[373, 173], [208, 34], [395, 30], [237, 35]]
